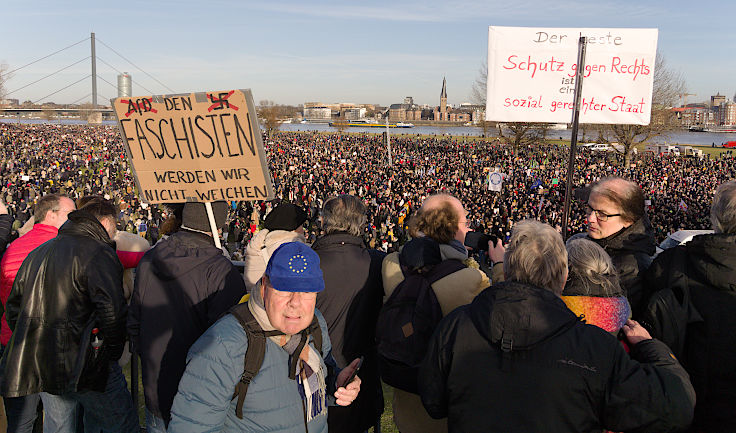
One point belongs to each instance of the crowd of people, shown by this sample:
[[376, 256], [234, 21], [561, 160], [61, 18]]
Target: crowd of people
[[359, 273]]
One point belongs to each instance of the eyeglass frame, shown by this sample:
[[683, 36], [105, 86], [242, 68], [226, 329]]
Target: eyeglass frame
[[599, 215]]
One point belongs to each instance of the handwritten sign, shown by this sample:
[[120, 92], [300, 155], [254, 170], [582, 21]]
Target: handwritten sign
[[531, 75], [195, 147]]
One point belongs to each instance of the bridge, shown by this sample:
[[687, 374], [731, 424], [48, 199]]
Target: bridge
[[99, 102]]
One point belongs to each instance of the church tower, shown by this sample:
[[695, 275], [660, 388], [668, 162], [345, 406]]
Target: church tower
[[443, 100]]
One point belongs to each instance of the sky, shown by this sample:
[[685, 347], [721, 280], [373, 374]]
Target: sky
[[292, 52]]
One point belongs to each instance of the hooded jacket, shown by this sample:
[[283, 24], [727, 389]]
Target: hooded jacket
[[518, 360], [259, 250], [65, 288], [182, 286], [631, 250], [693, 310]]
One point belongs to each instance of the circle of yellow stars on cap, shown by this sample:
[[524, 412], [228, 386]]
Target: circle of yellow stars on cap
[[295, 267]]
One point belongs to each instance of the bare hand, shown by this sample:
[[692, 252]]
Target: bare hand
[[496, 252], [635, 333]]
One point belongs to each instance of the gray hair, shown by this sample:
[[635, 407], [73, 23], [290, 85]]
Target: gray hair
[[536, 255], [591, 269], [723, 210], [344, 213]]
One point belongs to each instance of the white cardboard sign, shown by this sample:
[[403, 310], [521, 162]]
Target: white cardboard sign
[[531, 74]]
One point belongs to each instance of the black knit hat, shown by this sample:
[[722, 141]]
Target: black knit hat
[[286, 216], [194, 216]]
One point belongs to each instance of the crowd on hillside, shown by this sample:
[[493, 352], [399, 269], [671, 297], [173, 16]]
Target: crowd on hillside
[[307, 168]]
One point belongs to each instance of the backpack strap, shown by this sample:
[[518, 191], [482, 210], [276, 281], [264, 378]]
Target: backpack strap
[[443, 269], [316, 332], [254, 354]]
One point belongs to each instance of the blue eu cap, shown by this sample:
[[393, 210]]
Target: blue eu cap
[[294, 267]]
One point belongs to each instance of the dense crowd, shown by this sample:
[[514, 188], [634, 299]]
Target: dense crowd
[[327, 310], [307, 168]]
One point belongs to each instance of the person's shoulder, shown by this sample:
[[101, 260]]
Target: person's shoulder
[[225, 334]]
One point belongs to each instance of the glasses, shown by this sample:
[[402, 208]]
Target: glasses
[[600, 215], [466, 223]]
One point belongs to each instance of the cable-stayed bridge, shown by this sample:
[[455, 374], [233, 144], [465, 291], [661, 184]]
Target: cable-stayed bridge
[[100, 102]]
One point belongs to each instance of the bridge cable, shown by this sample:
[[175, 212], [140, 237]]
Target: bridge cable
[[63, 88], [124, 58], [43, 78], [72, 103], [45, 57], [118, 71]]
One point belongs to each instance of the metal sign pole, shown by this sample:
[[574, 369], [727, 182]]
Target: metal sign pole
[[582, 44], [213, 224]]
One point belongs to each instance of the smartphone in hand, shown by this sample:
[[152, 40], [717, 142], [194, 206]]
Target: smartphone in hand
[[353, 374]]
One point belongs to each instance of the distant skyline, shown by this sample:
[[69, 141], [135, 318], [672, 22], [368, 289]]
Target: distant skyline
[[293, 52]]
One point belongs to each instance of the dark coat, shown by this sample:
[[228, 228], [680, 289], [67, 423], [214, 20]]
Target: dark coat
[[631, 250], [6, 223], [517, 360], [350, 304], [693, 310], [63, 289], [182, 286]]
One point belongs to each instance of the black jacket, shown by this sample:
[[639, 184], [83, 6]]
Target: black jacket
[[631, 250], [517, 360], [6, 223], [63, 289], [693, 310], [182, 286], [350, 303]]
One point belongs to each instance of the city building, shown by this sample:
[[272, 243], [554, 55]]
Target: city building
[[445, 114], [125, 85], [353, 113], [317, 113]]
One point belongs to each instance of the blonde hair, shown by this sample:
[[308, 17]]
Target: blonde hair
[[591, 268]]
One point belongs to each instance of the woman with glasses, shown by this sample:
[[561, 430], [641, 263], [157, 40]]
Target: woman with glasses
[[617, 222]]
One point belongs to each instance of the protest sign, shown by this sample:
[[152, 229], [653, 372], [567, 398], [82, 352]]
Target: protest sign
[[531, 75], [201, 147]]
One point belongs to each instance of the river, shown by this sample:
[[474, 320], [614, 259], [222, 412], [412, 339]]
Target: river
[[674, 137]]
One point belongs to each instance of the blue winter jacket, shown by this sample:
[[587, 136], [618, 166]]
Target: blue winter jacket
[[205, 401]]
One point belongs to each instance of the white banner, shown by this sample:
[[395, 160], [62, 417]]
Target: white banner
[[531, 75]]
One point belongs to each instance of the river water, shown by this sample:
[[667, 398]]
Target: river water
[[675, 137]]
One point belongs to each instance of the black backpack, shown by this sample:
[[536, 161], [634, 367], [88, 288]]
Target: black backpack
[[407, 321], [257, 349]]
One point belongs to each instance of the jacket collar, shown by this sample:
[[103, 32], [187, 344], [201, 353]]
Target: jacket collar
[[82, 223], [638, 237], [338, 238], [713, 256]]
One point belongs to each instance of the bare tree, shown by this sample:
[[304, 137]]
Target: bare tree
[[479, 94], [270, 114], [48, 113], [668, 85], [4, 77], [521, 133]]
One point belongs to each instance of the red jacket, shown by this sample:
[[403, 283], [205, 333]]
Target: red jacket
[[12, 259]]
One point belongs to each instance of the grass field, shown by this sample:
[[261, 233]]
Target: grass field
[[387, 420]]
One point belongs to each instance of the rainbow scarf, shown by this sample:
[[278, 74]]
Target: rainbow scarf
[[609, 314]]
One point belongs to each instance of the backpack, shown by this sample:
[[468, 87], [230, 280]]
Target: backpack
[[257, 348], [407, 321]]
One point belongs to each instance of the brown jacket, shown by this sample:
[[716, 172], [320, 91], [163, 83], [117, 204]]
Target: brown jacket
[[452, 291]]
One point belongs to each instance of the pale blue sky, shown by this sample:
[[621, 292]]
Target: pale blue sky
[[331, 51]]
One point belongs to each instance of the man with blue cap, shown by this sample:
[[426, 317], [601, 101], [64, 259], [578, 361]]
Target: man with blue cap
[[290, 390]]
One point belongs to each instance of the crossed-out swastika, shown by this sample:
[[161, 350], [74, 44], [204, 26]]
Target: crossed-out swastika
[[221, 101]]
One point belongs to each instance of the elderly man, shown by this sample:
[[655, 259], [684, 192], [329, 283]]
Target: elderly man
[[617, 222], [351, 305], [693, 310], [518, 360], [439, 229], [290, 390]]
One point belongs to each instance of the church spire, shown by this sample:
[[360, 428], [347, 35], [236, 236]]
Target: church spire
[[443, 94]]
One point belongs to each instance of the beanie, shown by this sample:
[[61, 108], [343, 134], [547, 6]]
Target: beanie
[[285, 216]]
